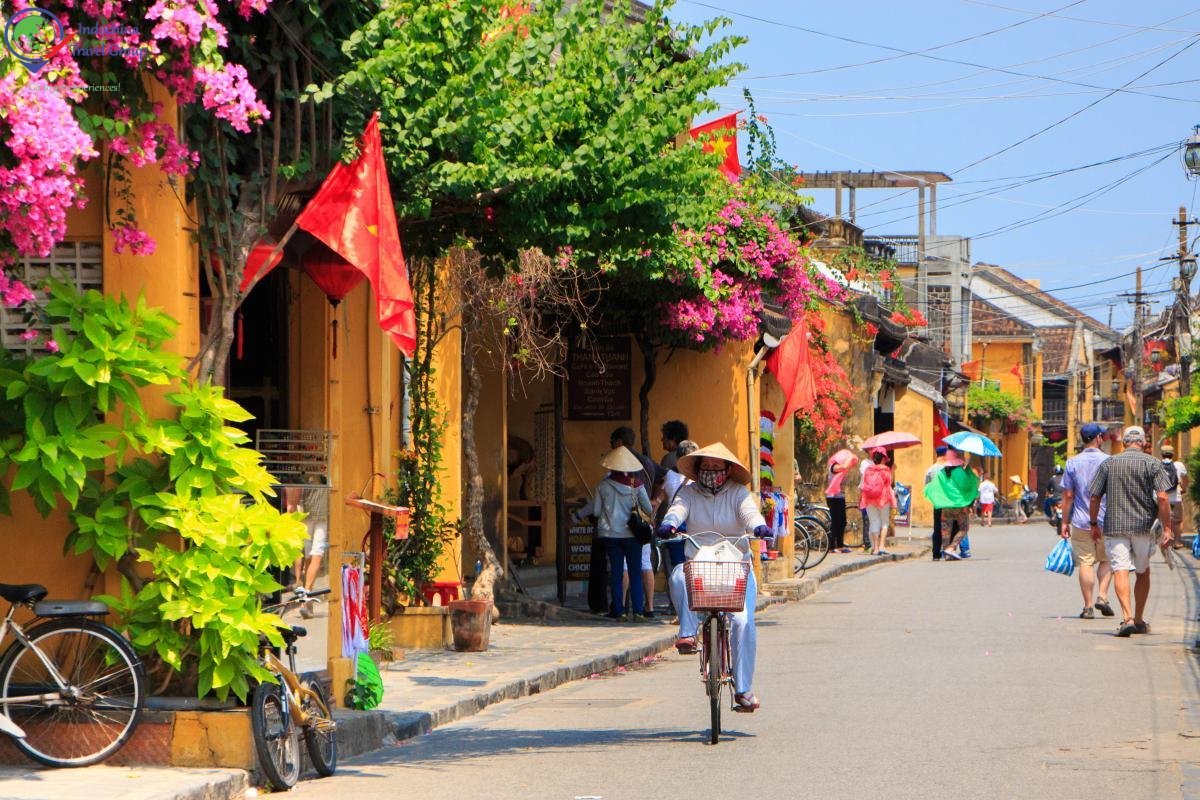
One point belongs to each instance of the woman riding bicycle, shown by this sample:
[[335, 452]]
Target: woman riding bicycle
[[717, 501]]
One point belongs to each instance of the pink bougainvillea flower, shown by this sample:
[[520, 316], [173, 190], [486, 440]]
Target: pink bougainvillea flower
[[52, 345]]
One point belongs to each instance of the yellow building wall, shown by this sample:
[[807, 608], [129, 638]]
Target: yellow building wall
[[914, 414], [32, 546]]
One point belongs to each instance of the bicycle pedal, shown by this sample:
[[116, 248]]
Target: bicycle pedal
[[324, 726]]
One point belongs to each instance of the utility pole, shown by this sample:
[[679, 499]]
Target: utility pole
[[1133, 369], [1182, 313]]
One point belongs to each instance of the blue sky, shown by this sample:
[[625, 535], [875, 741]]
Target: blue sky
[[831, 111]]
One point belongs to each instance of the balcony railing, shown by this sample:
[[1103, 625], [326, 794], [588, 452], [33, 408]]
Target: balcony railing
[[905, 246], [1054, 413], [1110, 411]]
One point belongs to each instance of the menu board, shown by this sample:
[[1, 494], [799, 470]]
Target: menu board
[[600, 380], [579, 551]]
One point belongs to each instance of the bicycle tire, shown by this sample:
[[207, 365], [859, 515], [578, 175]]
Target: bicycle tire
[[110, 717], [822, 515], [800, 549], [275, 737], [817, 538], [321, 744], [712, 675], [656, 558]]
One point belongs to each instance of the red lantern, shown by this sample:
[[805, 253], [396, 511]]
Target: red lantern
[[334, 275]]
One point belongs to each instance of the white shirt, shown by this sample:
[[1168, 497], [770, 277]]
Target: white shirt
[[1177, 495], [732, 511], [987, 492]]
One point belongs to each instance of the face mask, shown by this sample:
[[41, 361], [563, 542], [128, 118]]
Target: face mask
[[712, 479]]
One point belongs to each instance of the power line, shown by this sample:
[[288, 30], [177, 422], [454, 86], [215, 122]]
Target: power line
[[904, 52], [1139, 28]]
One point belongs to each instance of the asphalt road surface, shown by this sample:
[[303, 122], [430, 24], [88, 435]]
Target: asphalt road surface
[[915, 680]]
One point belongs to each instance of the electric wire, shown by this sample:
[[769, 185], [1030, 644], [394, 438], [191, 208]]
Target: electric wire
[[904, 52], [1039, 14]]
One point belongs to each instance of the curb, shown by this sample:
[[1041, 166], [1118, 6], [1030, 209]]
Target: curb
[[410, 724], [230, 786], [800, 588]]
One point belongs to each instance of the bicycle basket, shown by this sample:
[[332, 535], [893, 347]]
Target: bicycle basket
[[716, 585]]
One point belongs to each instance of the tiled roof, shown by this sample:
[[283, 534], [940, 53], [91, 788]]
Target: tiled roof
[[990, 320], [1056, 350], [1028, 291]]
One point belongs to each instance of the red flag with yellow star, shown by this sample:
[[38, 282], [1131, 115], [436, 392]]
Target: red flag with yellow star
[[721, 137], [352, 213]]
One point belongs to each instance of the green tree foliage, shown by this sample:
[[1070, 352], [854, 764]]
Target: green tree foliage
[[987, 402], [136, 486], [556, 129]]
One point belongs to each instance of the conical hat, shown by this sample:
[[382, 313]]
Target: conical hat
[[687, 465], [621, 459]]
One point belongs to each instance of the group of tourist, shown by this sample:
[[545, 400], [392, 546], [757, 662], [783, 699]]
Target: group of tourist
[[876, 498]]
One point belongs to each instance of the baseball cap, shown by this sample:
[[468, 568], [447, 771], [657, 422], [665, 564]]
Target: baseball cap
[[940, 449], [1134, 432], [1090, 431]]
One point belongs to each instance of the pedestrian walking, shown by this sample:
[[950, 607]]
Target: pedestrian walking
[[1087, 545], [674, 433], [671, 483], [878, 497], [1135, 487], [840, 465], [936, 536], [612, 505], [1177, 473], [953, 489], [1017, 493], [719, 501], [987, 500]]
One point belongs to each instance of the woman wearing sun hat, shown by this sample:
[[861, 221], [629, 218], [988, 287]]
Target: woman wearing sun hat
[[718, 500], [611, 505]]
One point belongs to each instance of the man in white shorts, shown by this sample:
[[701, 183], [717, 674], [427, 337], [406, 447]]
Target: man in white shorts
[[1134, 486], [314, 501]]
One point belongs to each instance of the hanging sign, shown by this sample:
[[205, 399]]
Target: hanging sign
[[600, 380], [579, 551]]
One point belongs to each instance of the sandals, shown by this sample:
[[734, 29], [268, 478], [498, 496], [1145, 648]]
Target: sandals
[[1127, 629], [1141, 627], [745, 703], [686, 645], [1104, 608]]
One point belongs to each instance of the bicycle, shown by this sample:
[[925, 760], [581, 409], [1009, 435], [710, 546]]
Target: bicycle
[[716, 588], [811, 542], [279, 710], [71, 689], [806, 507]]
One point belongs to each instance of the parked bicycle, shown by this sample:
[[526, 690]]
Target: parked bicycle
[[806, 507], [280, 711], [716, 581], [71, 688], [811, 543]]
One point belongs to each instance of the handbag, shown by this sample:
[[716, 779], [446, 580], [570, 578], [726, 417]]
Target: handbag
[[639, 524], [1061, 560]]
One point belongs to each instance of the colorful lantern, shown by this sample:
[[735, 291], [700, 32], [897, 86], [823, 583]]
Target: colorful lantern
[[336, 277]]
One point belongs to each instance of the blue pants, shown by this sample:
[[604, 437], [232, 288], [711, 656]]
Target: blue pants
[[743, 635], [623, 554]]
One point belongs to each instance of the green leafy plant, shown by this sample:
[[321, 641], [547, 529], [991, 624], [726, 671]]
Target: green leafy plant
[[380, 636], [987, 402], [177, 502]]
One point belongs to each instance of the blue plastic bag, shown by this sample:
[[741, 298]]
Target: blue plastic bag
[[1061, 560], [1196, 545]]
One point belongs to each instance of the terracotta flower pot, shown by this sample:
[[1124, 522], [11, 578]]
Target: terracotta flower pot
[[471, 624]]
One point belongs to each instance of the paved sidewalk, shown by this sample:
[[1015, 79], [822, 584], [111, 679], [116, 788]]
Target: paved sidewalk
[[121, 783]]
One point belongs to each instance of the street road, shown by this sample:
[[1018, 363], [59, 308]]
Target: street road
[[916, 680]]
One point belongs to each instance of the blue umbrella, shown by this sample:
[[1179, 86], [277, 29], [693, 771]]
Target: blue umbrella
[[975, 443]]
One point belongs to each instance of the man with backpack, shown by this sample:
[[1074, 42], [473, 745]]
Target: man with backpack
[[1177, 474]]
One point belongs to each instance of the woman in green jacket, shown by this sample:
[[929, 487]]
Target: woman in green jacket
[[954, 490]]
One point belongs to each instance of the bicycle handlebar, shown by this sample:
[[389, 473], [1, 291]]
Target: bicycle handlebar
[[298, 596], [681, 536]]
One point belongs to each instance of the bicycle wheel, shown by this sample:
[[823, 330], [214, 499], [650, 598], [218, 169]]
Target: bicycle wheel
[[712, 674], [818, 540], [822, 515], [106, 691], [656, 558], [800, 547], [275, 737], [320, 735]]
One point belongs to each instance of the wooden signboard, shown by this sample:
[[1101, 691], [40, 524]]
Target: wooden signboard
[[600, 380], [579, 551]]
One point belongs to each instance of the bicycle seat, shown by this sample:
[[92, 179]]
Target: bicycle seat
[[294, 632], [22, 592]]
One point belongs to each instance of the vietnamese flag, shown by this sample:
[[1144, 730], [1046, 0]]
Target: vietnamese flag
[[972, 369], [353, 215], [790, 366], [725, 143]]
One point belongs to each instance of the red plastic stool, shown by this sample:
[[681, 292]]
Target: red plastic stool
[[444, 591]]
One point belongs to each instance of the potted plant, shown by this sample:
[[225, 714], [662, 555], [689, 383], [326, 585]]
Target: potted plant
[[471, 624]]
